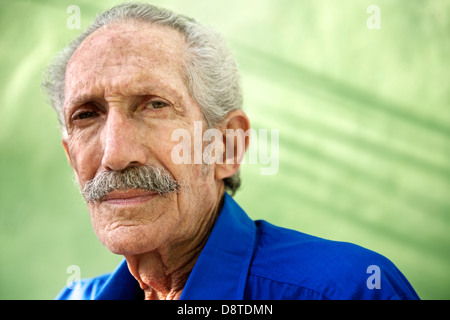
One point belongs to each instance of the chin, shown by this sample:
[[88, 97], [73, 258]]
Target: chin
[[131, 240]]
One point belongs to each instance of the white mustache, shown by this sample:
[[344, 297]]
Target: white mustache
[[150, 178]]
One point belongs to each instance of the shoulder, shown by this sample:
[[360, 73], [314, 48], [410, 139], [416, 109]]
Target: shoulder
[[323, 268], [85, 289]]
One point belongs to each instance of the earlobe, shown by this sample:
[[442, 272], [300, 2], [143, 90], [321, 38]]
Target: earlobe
[[236, 130]]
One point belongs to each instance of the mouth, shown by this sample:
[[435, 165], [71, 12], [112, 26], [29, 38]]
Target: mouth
[[128, 197]]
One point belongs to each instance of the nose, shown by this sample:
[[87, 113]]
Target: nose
[[123, 146]]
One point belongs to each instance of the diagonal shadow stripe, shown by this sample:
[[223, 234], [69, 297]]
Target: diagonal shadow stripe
[[295, 76]]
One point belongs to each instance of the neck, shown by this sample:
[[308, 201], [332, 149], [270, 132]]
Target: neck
[[163, 273], [160, 278]]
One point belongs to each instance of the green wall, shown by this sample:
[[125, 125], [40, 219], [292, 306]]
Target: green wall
[[364, 133]]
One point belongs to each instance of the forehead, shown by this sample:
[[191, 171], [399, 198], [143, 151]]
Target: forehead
[[126, 50]]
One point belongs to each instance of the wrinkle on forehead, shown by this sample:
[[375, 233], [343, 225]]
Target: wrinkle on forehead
[[129, 42], [132, 50]]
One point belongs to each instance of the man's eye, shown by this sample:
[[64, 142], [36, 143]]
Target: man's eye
[[85, 115], [156, 104]]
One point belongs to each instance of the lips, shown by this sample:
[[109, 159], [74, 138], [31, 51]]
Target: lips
[[128, 197]]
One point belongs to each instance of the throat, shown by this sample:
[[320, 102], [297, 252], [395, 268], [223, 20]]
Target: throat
[[159, 280]]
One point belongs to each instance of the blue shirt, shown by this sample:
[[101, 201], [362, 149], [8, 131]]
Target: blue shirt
[[246, 259]]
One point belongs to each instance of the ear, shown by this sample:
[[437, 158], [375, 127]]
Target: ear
[[66, 150], [235, 129]]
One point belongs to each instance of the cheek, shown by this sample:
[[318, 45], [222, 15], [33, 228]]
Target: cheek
[[198, 185], [85, 159], [189, 170]]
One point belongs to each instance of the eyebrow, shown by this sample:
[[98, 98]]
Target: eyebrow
[[81, 99], [166, 93]]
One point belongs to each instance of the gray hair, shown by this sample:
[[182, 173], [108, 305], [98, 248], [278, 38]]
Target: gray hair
[[211, 71]]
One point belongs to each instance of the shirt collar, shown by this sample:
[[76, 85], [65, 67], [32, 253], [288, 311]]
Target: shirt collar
[[121, 285], [220, 272]]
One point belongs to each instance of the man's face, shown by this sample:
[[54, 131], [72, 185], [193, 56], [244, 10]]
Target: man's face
[[124, 96]]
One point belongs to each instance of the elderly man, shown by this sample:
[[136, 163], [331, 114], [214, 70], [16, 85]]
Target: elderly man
[[121, 90]]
